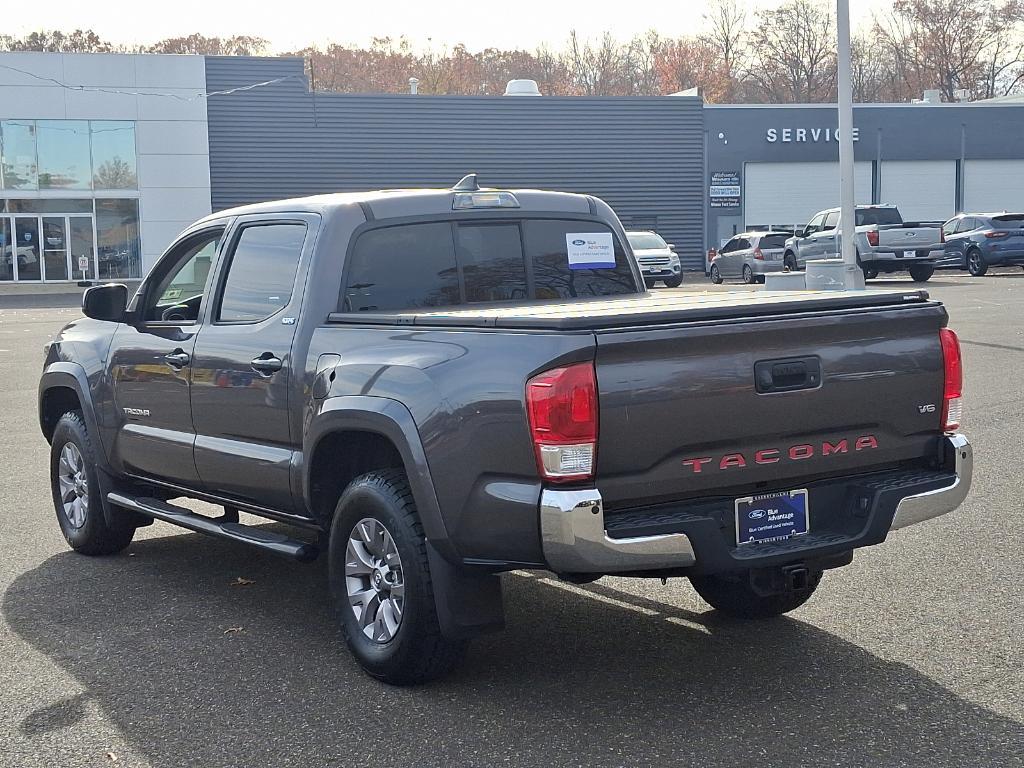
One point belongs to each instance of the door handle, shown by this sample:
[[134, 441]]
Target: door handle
[[267, 364], [178, 359]]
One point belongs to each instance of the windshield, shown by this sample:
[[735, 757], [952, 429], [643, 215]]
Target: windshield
[[872, 216], [642, 241]]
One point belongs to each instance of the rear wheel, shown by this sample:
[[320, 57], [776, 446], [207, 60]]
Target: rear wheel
[[870, 273], [748, 274], [735, 596], [922, 273], [716, 275], [381, 582], [976, 263], [77, 498], [674, 282]]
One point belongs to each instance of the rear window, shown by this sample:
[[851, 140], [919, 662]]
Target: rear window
[[773, 241], [448, 263], [1009, 221], [867, 217], [641, 241], [402, 268]]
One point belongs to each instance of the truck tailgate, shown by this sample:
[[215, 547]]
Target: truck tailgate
[[681, 414], [909, 238]]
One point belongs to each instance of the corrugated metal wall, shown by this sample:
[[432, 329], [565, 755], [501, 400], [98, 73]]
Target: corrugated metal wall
[[641, 155]]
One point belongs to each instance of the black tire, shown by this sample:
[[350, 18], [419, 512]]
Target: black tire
[[650, 283], [922, 273], [748, 275], [734, 596], [976, 263], [716, 275], [86, 529], [674, 282], [789, 262], [417, 652], [870, 273]]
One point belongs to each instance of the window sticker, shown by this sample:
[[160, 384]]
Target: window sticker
[[590, 250]]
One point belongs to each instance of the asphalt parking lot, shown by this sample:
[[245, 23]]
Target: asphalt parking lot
[[157, 657]]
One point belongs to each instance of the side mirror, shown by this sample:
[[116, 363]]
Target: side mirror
[[105, 302]]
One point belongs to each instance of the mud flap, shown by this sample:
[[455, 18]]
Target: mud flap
[[468, 603]]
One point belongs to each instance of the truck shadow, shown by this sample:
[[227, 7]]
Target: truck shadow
[[196, 670]]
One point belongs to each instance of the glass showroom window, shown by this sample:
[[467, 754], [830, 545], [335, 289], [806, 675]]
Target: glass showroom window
[[18, 150], [113, 155], [63, 149], [117, 239]]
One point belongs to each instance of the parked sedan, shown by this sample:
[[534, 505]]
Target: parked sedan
[[657, 259], [977, 241], [749, 256]]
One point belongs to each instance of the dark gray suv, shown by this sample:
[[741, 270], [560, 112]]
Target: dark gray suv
[[977, 241]]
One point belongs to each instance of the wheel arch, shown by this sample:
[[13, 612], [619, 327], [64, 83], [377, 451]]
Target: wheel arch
[[351, 435], [64, 387]]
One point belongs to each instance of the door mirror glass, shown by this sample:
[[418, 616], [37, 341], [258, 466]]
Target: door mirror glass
[[105, 302]]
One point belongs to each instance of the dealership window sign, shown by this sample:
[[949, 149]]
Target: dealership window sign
[[724, 190], [804, 135]]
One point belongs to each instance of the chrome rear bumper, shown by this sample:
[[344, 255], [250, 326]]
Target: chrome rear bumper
[[575, 541], [925, 506]]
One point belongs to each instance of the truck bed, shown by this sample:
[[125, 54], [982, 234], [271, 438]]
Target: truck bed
[[647, 309]]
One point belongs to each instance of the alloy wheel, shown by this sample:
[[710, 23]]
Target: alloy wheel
[[74, 485], [374, 580]]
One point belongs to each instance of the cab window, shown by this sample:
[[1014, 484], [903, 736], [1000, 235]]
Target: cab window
[[178, 292]]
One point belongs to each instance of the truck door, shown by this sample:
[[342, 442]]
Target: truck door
[[150, 363], [242, 366], [808, 245]]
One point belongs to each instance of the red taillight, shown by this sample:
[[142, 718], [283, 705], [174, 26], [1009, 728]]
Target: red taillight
[[758, 254], [873, 238], [953, 376], [562, 408], [997, 233]]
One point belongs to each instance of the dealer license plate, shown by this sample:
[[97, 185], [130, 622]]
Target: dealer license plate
[[909, 254], [771, 517]]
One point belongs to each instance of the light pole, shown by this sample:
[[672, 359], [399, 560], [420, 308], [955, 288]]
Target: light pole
[[853, 277]]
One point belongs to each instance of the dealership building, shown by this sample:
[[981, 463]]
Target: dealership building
[[104, 158]]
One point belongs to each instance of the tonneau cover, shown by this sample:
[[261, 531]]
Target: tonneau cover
[[644, 309]]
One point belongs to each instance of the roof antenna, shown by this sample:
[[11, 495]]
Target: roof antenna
[[467, 183]]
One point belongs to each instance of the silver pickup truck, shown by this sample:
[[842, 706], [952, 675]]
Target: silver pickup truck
[[885, 243]]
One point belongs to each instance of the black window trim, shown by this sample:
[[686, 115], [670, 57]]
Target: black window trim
[[228, 255], [480, 217]]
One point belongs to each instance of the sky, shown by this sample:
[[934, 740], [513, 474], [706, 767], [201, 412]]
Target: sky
[[431, 23]]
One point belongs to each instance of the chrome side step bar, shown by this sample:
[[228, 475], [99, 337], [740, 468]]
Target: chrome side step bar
[[269, 541]]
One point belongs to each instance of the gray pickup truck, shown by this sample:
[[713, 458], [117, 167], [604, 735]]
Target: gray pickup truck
[[885, 243], [433, 387]]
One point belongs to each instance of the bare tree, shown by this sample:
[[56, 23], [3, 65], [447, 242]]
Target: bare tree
[[240, 45], [727, 27], [55, 41], [973, 45], [793, 56]]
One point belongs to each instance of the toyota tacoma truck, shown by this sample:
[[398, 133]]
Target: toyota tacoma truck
[[433, 387], [885, 243]]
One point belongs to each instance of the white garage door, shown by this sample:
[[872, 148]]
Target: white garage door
[[790, 193], [923, 190], [993, 185]]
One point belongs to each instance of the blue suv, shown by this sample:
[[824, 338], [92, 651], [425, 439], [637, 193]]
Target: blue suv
[[977, 241]]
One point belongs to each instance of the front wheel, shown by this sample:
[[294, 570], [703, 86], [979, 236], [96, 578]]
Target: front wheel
[[381, 582], [716, 275], [735, 596], [921, 273], [976, 263], [674, 282], [650, 283], [789, 262], [77, 497]]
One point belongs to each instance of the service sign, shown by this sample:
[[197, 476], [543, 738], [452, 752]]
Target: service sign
[[724, 189], [590, 250]]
